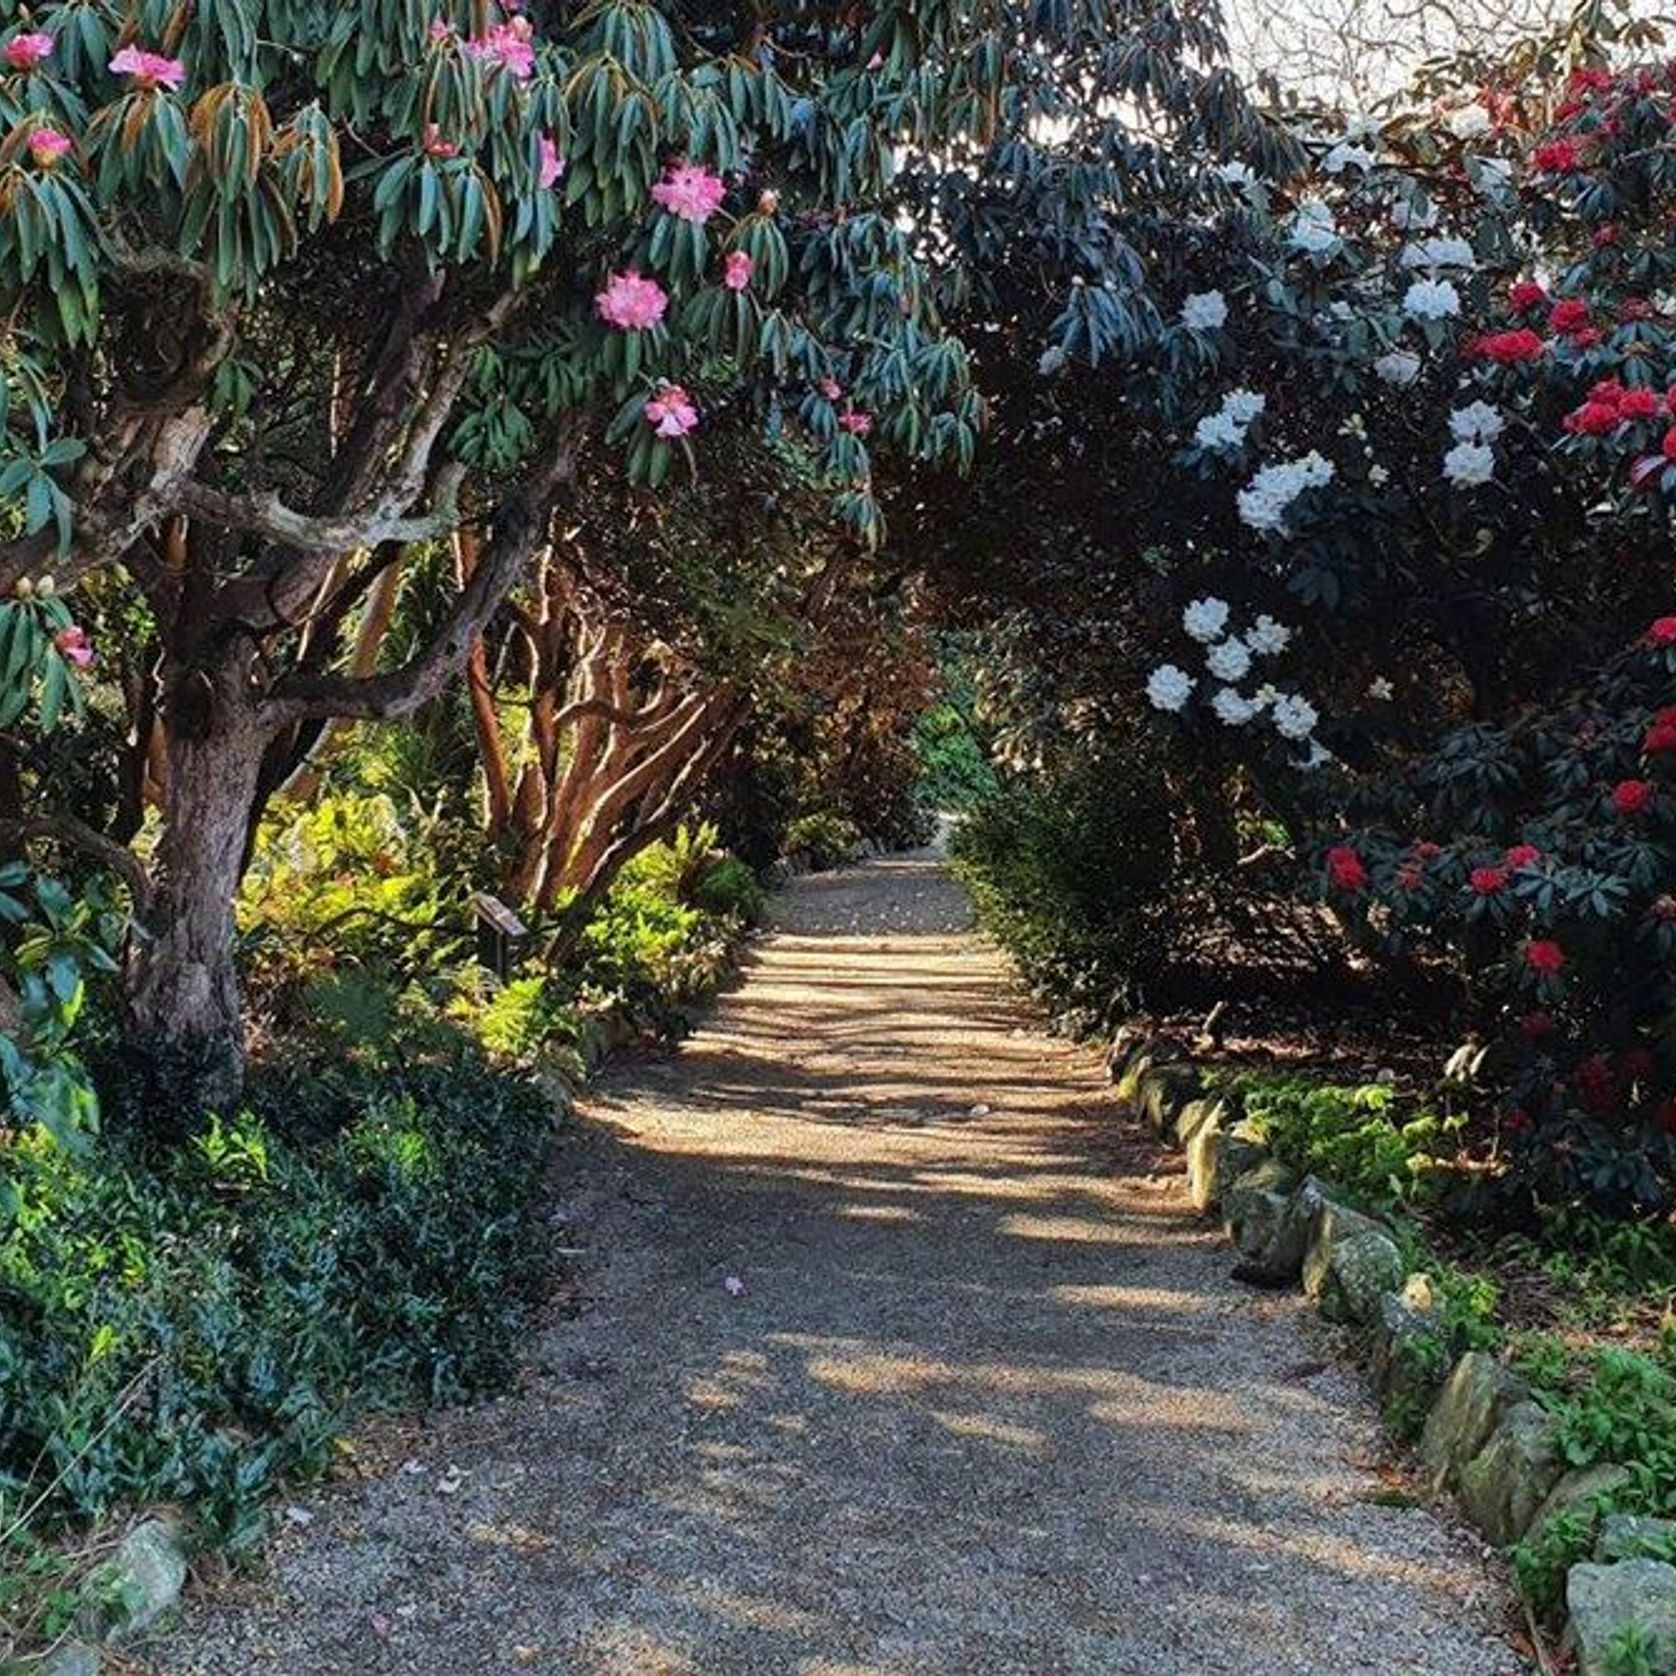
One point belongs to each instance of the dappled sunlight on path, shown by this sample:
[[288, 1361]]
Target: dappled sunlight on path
[[896, 1357]]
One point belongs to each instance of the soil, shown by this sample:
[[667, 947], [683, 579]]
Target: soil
[[894, 1353]]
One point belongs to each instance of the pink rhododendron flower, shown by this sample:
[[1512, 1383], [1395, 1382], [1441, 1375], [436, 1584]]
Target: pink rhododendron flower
[[508, 45], [1523, 855], [149, 69], [690, 192], [671, 411], [630, 303], [552, 168], [1488, 881], [47, 145], [1661, 632], [1545, 956], [436, 146], [74, 646], [736, 270], [857, 424], [441, 30], [832, 390], [26, 52]]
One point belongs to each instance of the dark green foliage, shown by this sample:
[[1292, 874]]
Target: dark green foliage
[[1069, 875], [1366, 1139], [195, 1321]]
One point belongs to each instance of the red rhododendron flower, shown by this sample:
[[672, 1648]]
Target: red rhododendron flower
[[1346, 869], [1509, 349], [1558, 157], [1526, 294], [1608, 234], [1631, 797], [1486, 881], [1635, 308], [1523, 855], [1592, 419], [1668, 446], [1661, 737], [1639, 404], [1427, 851], [1534, 1026], [1545, 956], [1662, 630], [1409, 877], [1568, 314]]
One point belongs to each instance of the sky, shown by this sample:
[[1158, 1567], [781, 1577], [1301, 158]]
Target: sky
[[1369, 50]]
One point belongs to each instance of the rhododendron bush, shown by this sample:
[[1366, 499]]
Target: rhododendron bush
[[1536, 856]]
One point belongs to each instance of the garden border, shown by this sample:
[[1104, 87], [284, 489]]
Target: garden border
[[1484, 1438]]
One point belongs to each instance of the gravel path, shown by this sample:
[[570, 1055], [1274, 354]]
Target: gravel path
[[894, 1359]]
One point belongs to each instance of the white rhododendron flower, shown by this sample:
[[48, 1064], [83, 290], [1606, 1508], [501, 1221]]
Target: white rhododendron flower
[[1378, 476], [1413, 216], [1476, 422], [1205, 619], [1346, 156], [1399, 367], [1468, 464], [1168, 687], [1294, 717], [1431, 299], [1381, 689], [1233, 708], [1218, 430], [1204, 311], [1439, 253], [1468, 122], [1226, 427], [1229, 660], [1244, 405], [1267, 638], [1313, 229], [1491, 177], [1265, 501]]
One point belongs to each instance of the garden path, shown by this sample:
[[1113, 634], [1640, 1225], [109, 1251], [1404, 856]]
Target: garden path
[[894, 1354]]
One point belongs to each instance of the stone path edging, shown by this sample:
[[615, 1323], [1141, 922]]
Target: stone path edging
[[1484, 1439]]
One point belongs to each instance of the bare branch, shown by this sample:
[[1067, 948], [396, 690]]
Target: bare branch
[[78, 835]]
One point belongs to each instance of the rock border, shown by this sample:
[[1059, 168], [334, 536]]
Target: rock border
[[1484, 1439]]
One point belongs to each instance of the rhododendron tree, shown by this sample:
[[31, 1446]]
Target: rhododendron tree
[[296, 292]]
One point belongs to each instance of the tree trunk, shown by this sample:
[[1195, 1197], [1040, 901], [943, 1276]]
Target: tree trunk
[[182, 982]]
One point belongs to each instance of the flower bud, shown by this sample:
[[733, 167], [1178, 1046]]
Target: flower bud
[[25, 588], [768, 201], [46, 587]]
